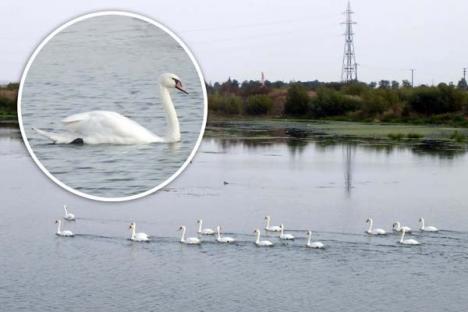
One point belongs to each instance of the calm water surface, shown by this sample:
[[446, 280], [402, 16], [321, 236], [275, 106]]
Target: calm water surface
[[111, 63], [328, 189]]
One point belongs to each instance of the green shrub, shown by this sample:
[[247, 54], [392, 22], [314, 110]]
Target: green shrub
[[7, 105], [258, 105], [225, 104], [395, 136], [297, 100], [437, 100], [329, 102], [414, 136], [457, 136]]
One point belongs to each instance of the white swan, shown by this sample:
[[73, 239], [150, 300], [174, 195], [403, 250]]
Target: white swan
[[397, 227], [263, 243], [105, 127], [285, 236], [205, 231], [271, 228], [428, 228], [313, 244], [137, 237], [68, 215], [223, 239], [188, 240], [60, 232], [372, 231], [407, 241]]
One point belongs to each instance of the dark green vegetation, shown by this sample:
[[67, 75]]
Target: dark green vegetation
[[387, 101], [8, 99]]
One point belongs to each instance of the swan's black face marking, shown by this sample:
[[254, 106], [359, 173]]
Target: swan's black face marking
[[178, 85], [77, 141]]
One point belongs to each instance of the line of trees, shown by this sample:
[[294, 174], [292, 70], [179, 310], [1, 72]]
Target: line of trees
[[382, 101]]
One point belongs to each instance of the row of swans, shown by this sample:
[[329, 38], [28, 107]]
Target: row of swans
[[143, 237], [397, 227], [106, 127], [282, 235]]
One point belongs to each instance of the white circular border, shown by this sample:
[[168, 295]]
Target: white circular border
[[200, 76]]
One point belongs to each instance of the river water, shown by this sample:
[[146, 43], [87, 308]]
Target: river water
[[329, 189], [111, 63]]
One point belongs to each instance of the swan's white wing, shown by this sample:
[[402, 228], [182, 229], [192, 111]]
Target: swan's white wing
[[108, 127]]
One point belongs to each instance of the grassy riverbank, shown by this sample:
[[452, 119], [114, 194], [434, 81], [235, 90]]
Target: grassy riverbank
[[432, 137]]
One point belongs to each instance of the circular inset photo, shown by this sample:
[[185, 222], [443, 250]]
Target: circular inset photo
[[112, 106]]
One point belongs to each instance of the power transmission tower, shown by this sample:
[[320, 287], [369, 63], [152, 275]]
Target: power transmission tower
[[349, 68], [464, 73]]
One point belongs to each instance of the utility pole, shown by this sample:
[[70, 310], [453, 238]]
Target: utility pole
[[412, 77], [464, 73], [349, 68]]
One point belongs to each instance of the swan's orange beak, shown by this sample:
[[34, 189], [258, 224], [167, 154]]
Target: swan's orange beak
[[179, 87]]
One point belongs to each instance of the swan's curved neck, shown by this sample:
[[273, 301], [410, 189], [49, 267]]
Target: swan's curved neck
[[258, 238], [282, 230], [422, 223], [371, 222], [402, 236], [59, 225], [309, 238], [182, 239], [219, 233], [267, 222], [173, 129], [133, 231], [65, 208], [200, 226]]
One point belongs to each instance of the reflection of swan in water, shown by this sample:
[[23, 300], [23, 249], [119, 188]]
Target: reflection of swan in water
[[263, 243], [397, 227], [188, 240], [313, 244], [372, 231], [407, 241], [271, 228], [101, 127], [68, 215], [137, 237], [60, 232], [428, 228]]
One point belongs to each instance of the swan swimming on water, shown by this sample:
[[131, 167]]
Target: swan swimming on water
[[203, 231], [60, 232], [68, 215], [407, 241], [271, 228], [428, 228], [313, 244], [397, 227], [223, 239], [188, 240], [137, 237], [261, 243], [285, 236], [372, 231], [105, 127]]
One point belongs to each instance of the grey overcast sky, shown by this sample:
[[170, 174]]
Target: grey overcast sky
[[288, 40]]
